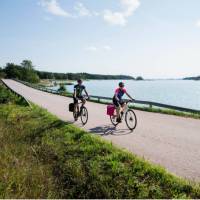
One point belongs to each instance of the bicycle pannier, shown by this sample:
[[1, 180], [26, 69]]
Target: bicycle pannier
[[110, 110], [71, 107]]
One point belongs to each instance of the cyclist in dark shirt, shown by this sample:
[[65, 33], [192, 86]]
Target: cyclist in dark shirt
[[78, 93]]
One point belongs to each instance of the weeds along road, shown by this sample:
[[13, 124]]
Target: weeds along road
[[170, 141]]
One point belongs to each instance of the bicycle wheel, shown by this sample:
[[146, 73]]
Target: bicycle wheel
[[131, 119], [84, 115], [113, 120], [75, 113]]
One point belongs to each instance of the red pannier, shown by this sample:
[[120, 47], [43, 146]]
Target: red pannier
[[110, 110]]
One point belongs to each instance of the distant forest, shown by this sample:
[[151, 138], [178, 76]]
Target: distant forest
[[197, 78], [75, 76], [26, 72]]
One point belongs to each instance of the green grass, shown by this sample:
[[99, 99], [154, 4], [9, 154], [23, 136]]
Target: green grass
[[7, 97], [43, 157]]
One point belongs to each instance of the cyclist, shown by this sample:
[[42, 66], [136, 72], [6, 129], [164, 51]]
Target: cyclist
[[78, 90], [118, 101]]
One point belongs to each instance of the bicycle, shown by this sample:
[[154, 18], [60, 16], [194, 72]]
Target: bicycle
[[128, 114], [81, 112]]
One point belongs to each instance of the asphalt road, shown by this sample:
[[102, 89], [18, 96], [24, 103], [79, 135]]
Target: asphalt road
[[170, 141]]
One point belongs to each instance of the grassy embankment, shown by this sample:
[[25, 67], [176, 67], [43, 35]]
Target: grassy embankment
[[43, 157]]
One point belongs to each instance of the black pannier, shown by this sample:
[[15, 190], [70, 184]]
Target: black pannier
[[71, 107]]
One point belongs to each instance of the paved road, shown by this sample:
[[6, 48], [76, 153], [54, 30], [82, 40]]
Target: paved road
[[170, 141]]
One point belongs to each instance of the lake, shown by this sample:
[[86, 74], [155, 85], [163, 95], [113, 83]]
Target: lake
[[183, 93]]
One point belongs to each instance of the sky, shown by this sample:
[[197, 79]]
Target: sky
[[149, 38]]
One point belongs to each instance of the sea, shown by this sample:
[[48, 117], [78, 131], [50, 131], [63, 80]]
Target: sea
[[182, 93]]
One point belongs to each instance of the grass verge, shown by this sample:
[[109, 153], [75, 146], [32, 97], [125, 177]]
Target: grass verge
[[43, 157], [7, 97]]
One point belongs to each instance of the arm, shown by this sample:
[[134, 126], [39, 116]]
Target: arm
[[86, 93], [116, 97], [74, 95], [130, 96]]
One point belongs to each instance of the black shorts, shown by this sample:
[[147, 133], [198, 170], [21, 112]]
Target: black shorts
[[78, 98], [118, 103]]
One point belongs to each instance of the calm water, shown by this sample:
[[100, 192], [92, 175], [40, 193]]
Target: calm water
[[174, 92]]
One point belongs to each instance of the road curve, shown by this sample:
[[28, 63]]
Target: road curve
[[170, 141]]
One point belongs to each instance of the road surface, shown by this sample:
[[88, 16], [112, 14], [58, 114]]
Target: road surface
[[170, 141]]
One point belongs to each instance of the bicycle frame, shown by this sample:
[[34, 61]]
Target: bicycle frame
[[125, 108]]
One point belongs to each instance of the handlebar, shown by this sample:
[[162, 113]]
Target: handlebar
[[129, 101]]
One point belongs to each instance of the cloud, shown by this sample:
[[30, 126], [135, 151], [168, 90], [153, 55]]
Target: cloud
[[91, 48], [120, 18], [82, 10], [115, 18], [198, 23], [53, 7]]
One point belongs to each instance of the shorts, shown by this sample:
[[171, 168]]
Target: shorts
[[78, 98], [118, 103]]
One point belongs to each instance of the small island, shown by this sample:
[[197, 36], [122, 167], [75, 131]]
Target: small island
[[197, 78]]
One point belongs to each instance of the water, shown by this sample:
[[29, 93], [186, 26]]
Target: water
[[173, 92]]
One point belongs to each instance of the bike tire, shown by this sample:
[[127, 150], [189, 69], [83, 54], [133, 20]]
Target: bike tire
[[131, 119], [75, 114], [113, 120], [84, 115]]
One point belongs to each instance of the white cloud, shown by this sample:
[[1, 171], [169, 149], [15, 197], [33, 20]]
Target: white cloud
[[120, 18], [91, 48], [53, 7], [198, 23], [82, 10], [130, 6], [115, 18]]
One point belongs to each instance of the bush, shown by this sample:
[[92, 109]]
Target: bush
[[62, 89]]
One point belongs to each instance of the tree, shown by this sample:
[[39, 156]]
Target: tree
[[139, 78], [2, 73], [28, 72], [27, 64], [62, 89], [13, 71]]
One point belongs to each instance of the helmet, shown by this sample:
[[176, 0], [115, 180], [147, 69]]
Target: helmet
[[121, 84], [79, 81]]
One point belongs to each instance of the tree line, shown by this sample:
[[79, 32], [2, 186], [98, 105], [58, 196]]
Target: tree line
[[84, 76], [26, 72], [197, 78]]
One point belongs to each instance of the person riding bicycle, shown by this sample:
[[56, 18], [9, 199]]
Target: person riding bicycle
[[118, 101], [78, 90]]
